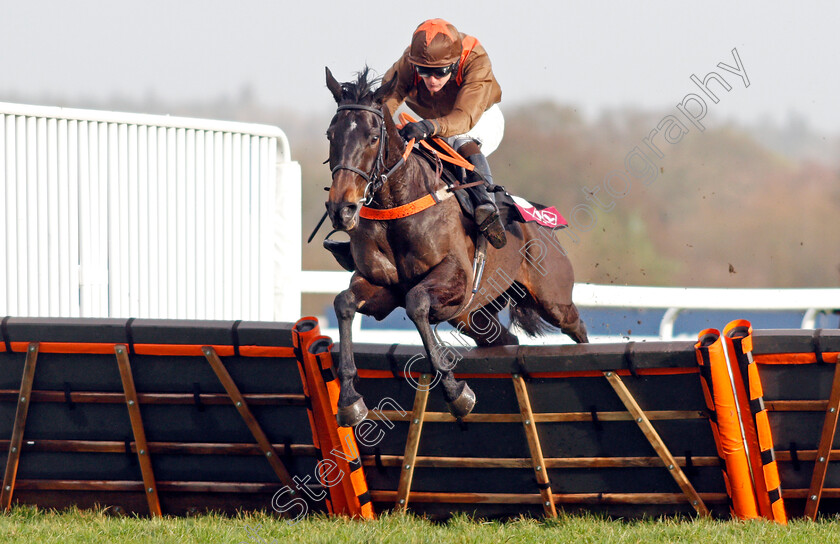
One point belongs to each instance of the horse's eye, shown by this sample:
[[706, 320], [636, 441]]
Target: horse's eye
[[374, 138], [329, 135]]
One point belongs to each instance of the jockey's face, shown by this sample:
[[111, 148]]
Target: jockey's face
[[434, 83]]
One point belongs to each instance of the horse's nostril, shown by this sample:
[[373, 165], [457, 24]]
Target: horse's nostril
[[348, 212]]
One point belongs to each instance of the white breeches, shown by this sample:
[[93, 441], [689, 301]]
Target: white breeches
[[488, 132]]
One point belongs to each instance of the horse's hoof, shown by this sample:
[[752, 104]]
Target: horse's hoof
[[464, 404], [350, 416]]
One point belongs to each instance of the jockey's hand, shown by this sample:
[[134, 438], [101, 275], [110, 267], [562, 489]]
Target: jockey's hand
[[419, 130]]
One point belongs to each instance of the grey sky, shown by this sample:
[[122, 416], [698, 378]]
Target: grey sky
[[592, 54]]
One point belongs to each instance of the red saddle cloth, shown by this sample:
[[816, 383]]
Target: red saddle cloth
[[547, 216]]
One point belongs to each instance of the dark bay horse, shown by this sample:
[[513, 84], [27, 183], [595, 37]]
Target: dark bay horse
[[424, 262]]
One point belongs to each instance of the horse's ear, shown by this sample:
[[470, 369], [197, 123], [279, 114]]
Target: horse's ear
[[384, 90], [334, 86]]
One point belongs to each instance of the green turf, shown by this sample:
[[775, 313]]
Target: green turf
[[30, 525]]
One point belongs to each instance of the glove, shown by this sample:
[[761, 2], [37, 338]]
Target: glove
[[419, 130]]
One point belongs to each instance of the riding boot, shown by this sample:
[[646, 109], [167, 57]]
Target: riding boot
[[486, 213]]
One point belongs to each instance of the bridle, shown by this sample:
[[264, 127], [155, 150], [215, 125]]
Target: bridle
[[375, 179]]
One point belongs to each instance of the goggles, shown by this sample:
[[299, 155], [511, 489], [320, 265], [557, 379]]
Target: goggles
[[438, 72]]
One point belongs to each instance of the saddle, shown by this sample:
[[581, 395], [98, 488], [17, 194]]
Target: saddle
[[511, 208]]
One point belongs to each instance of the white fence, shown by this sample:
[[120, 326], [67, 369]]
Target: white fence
[[121, 215], [671, 299]]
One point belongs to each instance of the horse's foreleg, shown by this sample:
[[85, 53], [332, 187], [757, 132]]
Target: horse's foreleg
[[351, 405], [428, 298], [371, 300]]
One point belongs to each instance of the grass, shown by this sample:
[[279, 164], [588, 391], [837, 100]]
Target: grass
[[28, 524]]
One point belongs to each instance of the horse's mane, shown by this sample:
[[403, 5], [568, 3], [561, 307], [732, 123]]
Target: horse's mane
[[361, 90]]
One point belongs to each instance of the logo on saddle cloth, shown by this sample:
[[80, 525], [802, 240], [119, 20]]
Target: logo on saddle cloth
[[547, 216]]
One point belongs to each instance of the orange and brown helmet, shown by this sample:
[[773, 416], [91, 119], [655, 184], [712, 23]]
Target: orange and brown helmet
[[435, 43]]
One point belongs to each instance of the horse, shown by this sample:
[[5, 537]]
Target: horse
[[424, 262]]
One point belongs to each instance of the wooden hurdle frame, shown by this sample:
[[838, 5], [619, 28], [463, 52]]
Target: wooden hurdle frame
[[529, 421], [549, 499], [816, 352], [145, 450]]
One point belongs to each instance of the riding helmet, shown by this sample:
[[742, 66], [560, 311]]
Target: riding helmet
[[435, 43]]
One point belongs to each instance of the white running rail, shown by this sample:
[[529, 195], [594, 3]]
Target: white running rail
[[672, 299]]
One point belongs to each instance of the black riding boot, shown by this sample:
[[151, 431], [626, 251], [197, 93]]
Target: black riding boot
[[486, 212]]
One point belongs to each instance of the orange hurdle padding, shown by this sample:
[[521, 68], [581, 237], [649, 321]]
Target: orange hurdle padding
[[304, 331], [828, 357], [347, 446], [738, 338], [748, 426], [710, 354], [348, 489], [708, 395]]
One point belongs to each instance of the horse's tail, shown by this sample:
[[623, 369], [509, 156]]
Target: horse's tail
[[526, 317]]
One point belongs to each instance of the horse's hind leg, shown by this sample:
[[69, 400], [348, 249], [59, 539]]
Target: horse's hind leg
[[578, 333], [530, 312], [567, 318], [484, 327], [548, 277], [557, 312]]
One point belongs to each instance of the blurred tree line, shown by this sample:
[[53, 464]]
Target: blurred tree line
[[726, 210]]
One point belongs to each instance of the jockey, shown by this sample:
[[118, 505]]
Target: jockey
[[445, 76]]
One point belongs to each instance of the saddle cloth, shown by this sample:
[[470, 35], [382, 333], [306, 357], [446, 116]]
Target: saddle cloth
[[547, 216]]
